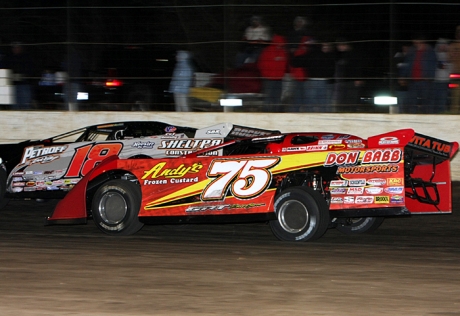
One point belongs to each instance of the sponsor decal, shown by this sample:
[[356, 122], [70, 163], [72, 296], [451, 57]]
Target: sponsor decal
[[17, 189], [16, 179], [30, 189], [172, 136], [185, 146], [395, 181], [171, 181], [434, 145], [357, 182], [349, 200], [337, 147], [338, 190], [338, 183], [382, 156], [374, 190], [336, 200], [155, 181], [394, 190], [143, 145], [40, 183], [389, 140], [290, 149], [364, 200], [159, 170], [368, 169], [355, 145], [396, 199], [18, 184], [343, 158], [377, 181], [353, 141], [369, 157], [30, 183], [170, 129], [329, 141], [316, 147], [40, 154], [328, 136], [213, 132], [355, 190], [382, 199], [52, 188], [58, 182], [248, 132], [17, 174], [346, 136], [221, 207]]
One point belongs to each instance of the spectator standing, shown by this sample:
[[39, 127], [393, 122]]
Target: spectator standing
[[298, 76], [401, 85], [72, 64], [22, 67], [319, 63], [441, 77], [256, 37], [348, 74], [297, 34], [421, 66], [294, 83], [181, 81], [454, 54], [272, 64]]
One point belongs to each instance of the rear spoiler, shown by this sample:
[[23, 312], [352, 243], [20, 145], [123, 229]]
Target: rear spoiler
[[433, 146]]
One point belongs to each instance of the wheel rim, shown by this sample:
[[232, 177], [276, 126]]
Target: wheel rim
[[293, 216], [112, 208]]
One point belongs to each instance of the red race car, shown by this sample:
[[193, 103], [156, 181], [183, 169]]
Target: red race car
[[301, 183]]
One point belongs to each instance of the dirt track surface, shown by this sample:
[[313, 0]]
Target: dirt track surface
[[409, 266]]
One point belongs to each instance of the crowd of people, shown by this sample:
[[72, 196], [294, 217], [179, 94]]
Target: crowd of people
[[299, 72], [302, 73]]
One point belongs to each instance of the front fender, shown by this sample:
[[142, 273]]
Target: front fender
[[72, 209]]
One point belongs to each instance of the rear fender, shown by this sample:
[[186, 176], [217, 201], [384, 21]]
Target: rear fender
[[428, 183], [72, 209]]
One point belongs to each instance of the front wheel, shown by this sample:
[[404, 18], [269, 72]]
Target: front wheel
[[116, 207], [359, 225], [302, 215]]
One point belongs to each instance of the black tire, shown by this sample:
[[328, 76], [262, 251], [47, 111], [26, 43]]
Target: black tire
[[302, 215], [359, 225], [115, 208], [3, 201]]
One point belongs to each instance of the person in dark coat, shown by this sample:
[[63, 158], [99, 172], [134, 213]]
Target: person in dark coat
[[319, 63], [348, 76], [22, 67]]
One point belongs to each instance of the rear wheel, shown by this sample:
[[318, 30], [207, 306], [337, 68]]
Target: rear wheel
[[116, 207], [302, 215], [3, 201], [359, 225]]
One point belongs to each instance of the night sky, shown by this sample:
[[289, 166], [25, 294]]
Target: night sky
[[212, 29]]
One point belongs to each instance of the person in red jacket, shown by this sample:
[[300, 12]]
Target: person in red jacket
[[272, 64]]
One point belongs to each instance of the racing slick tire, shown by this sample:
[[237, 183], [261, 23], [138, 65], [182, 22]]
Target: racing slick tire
[[115, 208], [3, 201], [359, 225], [302, 215]]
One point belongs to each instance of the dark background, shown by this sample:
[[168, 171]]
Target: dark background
[[212, 29]]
